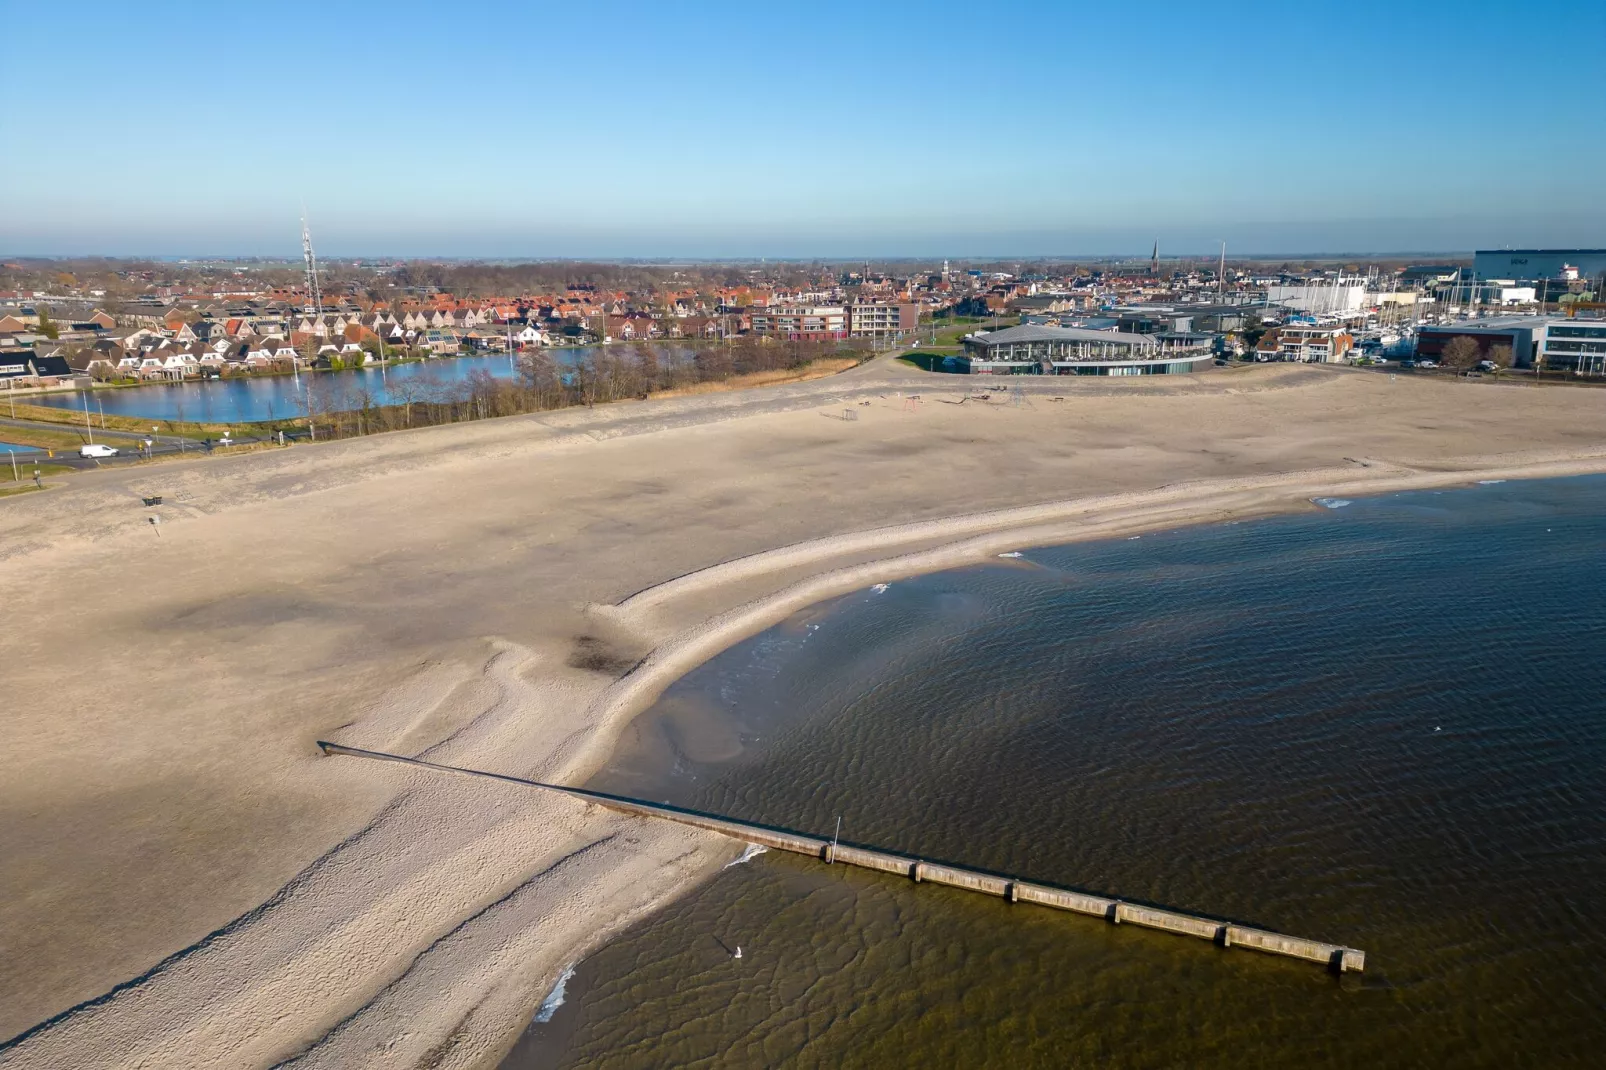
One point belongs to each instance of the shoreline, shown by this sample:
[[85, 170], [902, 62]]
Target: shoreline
[[989, 535], [976, 539], [195, 887]]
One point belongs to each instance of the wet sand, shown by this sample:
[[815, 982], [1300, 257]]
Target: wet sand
[[189, 884]]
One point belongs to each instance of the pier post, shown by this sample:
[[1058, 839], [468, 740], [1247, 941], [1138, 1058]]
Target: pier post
[[1115, 912], [917, 871], [1012, 893]]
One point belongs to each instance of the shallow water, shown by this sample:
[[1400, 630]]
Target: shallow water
[[1380, 725]]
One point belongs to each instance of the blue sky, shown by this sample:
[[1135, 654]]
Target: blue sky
[[858, 129]]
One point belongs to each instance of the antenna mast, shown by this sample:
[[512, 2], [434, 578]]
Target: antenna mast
[[313, 295]]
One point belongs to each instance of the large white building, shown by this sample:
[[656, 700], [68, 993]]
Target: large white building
[[1332, 297]]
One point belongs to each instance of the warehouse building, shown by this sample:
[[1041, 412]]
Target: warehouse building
[[1533, 265], [1518, 332]]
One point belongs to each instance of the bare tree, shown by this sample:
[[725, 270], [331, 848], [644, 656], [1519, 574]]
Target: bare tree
[[1461, 352]]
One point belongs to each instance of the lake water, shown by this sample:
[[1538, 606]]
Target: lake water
[[1381, 725], [283, 397]]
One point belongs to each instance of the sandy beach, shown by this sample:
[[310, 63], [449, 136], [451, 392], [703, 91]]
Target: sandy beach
[[189, 883]]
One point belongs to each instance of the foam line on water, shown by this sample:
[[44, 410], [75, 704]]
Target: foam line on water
[[752, 852], [554, 999]]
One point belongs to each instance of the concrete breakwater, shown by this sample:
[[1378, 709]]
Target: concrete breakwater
[[1336, 957]]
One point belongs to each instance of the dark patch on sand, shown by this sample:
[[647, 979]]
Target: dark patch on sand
[[598, 655]]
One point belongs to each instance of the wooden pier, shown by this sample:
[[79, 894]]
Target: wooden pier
[[1336, 957]]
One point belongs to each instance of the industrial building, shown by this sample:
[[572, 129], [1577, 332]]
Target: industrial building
[[1534, 265], [1564, 345], [1518, 332], [1043, 350]]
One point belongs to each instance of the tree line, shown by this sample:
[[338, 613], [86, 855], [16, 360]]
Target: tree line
[[341, 406]]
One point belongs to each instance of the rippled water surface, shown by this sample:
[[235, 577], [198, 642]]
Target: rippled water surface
[[1381, 725]]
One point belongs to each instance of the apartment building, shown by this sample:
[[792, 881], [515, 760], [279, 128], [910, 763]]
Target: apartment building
[[878, 319], [812, 322], [1305, 344]]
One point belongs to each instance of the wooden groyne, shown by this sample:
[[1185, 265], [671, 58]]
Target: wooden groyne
[[1336, 957]]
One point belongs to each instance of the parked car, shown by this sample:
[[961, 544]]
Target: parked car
[[1427, 364], [95, 449], [1488, 366], [1408, 363]]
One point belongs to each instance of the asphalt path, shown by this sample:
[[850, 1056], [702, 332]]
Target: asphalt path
[[130, 445]]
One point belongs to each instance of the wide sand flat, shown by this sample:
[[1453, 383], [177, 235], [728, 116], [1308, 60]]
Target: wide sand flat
[[186, 882]]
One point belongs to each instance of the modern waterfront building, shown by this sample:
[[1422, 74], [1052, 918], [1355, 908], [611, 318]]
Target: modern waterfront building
[[1533, 265], [811, 322], [876, 319], [1044, 350], [1577, 346]]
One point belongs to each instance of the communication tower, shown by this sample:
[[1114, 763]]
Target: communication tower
[[314, 297]]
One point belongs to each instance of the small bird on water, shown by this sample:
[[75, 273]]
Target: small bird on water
[[738, 952]]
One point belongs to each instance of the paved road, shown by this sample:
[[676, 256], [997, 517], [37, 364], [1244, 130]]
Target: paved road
[[129, 444]]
